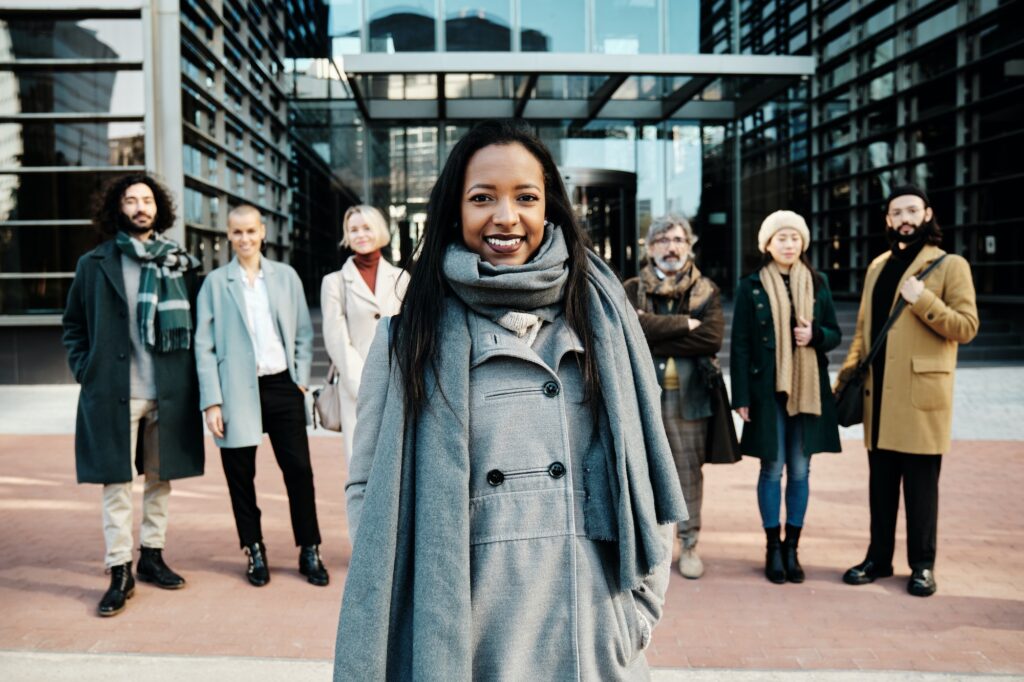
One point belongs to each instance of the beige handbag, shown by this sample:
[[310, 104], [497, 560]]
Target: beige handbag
[[327, 402]]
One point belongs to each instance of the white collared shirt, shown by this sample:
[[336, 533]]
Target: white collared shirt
[[266, 343]]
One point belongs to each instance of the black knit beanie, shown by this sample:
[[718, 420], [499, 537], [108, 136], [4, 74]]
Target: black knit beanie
[[904, 190]]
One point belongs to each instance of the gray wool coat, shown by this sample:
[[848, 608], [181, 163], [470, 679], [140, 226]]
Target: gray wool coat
[[544, 598]]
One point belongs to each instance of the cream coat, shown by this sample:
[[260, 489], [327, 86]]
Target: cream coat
[[917, 397], [351, 312]]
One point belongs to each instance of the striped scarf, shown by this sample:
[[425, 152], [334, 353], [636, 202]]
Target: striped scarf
[[163, 312]]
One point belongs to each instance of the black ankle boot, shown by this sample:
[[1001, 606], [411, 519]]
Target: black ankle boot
[[794, 572], [152, 569], [258, 572], [122, 587], [774, 569], [311, 566]]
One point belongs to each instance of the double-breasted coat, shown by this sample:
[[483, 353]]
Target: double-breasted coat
[[98, 343], [752, 370], [224, 354], [350, 316], [920, 354]]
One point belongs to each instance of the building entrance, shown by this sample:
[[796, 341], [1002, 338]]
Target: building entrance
[[605, 205]]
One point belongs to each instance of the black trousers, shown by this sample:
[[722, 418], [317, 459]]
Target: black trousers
[[920, 477], [283, 410]]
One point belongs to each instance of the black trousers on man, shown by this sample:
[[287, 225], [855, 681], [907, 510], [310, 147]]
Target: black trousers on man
[[283, 410], [920, 477]]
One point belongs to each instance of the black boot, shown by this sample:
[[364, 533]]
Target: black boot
[[794, 572], [122, 587], [258, 572], [774, 569], [152, 569], [311, 566]]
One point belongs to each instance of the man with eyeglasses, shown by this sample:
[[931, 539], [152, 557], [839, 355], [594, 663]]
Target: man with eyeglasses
[[908, 394], [681, 314]]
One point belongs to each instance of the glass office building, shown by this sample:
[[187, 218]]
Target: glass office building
[[722, 110]]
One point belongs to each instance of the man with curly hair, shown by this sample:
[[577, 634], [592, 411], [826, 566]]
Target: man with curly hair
[[128, 329]]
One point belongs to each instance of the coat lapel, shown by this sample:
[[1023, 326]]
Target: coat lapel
[[235, 285], [111, 266], [354, 282], [274, 292]]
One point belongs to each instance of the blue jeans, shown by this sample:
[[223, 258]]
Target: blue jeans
[[790, 454]]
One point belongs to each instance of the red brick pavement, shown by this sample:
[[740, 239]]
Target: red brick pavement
[[51, 571]]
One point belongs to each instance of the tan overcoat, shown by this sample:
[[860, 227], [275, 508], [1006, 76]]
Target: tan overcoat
[[917, 396]]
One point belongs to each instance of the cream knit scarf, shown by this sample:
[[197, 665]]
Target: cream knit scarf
[[796, 367]]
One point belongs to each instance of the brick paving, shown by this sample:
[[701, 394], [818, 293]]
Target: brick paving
[[51, 571]]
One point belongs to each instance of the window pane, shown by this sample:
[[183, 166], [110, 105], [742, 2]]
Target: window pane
[[477, 26], [41, 38], [72, 92], [552, 26], [684, 26], [403, 26], [626, 26], [33, 296], [44, 249], [49, 196], [344, 21], [71, 144]]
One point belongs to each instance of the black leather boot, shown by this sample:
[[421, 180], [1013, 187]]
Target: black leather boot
[[774, 569], [312, 567], [122, 587], [794, 572], [258, 571], [152, 569]]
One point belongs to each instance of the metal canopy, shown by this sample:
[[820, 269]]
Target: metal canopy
[[698, 86]]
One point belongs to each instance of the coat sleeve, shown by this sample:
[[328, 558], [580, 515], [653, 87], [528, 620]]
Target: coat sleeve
[[76, 324], [303, 333], [205, 350], [740, 345], [369, 415], [704, 340], [827, 334], [336, 337], [955, 315], [650, 598]]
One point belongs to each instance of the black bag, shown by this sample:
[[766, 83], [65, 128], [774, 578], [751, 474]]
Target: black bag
[[849, 394], [721, 444]]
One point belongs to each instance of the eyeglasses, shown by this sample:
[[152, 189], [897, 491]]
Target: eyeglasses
[[665, 241]]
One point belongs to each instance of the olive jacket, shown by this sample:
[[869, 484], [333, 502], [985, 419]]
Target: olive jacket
[[752, 370], [921, 346], [98, 343]]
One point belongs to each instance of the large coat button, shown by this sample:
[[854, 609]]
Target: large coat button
[[556, 470], [551, 389], [495, 477]]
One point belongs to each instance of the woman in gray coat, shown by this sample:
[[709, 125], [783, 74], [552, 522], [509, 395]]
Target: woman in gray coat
[[511, 481]]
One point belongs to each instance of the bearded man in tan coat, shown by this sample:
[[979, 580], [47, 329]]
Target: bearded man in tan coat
[[908, 394]]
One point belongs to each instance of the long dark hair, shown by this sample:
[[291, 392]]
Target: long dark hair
[[107, 217], [415, 341]]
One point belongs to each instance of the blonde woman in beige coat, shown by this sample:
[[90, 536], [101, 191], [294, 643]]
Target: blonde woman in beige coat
[[353, 299]]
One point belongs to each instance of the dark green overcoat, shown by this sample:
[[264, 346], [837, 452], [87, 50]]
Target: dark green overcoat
[[752, 370], [99, 353]]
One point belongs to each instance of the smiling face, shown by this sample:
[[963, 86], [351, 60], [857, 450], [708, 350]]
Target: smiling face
[[362, 238], [503, 206], [139, 206], [786, 246], [246, 233]]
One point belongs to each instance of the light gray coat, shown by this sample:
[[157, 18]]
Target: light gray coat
[[224, 355], [545, 599]]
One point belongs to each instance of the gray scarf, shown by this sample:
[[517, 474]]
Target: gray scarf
[[406, 612]]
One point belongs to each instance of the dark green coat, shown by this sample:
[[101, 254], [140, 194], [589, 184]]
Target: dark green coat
[[99, 353], [752, 370]]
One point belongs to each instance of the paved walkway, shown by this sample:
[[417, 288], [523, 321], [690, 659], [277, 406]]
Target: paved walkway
[[730, 625]]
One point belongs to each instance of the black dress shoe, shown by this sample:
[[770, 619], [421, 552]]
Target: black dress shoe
[[152, 569], [922, 582], [866, 572], [258, 572], [122, 587], [312, 567]]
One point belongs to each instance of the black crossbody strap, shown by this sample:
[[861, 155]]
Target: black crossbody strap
[[896, 310]]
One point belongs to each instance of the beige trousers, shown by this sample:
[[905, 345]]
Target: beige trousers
[[117, 497]]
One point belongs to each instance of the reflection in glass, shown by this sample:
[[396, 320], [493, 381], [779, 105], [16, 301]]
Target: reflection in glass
[[343, 25], [33, 296], [477, 26], [44, 248], [552, 26], [73, 39], [626, 26], [77, 92], [402, 26], [49, 196], [684, 26], [46, 143]]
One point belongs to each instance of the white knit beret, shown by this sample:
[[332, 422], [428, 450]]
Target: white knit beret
[[780, 220]]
